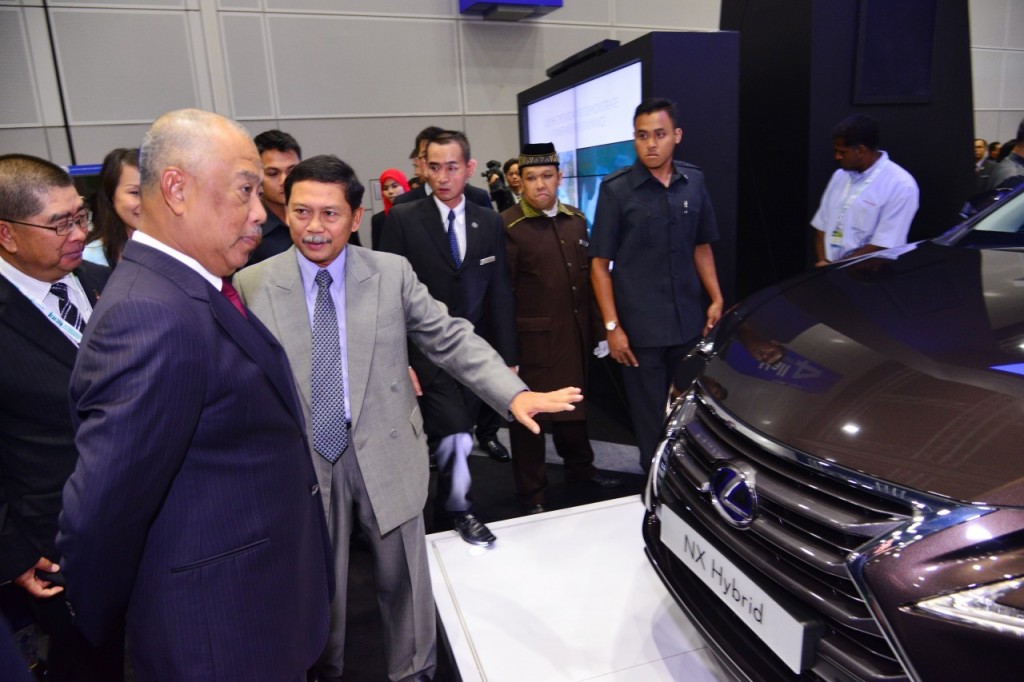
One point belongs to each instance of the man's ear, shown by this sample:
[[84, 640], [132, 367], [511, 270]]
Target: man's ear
[[471, 166], [357, 218], [173, 184], [7, 241]]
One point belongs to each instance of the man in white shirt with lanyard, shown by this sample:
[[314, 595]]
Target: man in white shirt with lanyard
[[869, 202], [46, 298]]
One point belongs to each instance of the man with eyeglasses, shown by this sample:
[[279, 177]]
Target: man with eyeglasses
[[46, 297], [655, 222]]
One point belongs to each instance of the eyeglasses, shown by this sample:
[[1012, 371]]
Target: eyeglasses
[[64, 227]]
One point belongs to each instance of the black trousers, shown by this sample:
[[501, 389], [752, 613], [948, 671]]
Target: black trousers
[[647, 392], [70, 657]]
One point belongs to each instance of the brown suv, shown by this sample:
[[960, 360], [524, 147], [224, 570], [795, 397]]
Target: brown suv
[[840, 491]]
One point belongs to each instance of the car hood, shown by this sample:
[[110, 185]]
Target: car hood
[[907, 366]]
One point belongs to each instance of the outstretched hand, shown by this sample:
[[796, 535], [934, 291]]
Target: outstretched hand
[[528, 403]]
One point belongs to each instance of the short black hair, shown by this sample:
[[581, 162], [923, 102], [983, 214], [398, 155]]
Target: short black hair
[[514, 161], [450, 136], [277, 140], [654, 104], [328, 169], [858, 129], [24, 181], [426, 135]]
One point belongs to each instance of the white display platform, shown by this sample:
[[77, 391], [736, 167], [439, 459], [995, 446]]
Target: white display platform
[[567, 595]]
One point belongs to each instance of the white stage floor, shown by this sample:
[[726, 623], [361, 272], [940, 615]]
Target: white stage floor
[[567, 595]]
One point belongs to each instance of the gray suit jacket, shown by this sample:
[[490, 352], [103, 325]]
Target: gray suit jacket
[[384, 303]]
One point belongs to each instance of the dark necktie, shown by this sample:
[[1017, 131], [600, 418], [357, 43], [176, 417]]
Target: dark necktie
[[232, 295], [68, 310], [453, 240], [330, 428]]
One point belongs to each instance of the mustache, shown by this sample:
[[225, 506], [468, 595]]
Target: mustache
[[316, 239]]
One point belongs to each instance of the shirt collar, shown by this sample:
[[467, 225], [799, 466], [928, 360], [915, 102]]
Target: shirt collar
[[531, 212], [308, 270], [642, 174], [154, 243], [32, 288], [443, 208]]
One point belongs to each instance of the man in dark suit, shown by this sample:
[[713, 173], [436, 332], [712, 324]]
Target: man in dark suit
[[487, 420], [46, 296], [194, 507], [457, 249], [376, 477]]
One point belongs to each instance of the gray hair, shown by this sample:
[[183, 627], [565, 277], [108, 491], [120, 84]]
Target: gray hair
[[179, 138]]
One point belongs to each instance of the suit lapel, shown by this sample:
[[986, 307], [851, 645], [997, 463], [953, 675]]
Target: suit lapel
[[291, 319], [362, 291], [249, 334], [24, 319], [472, 232]]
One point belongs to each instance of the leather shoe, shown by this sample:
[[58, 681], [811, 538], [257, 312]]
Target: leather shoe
[[495, 450], [534, 509], [601, 481], [473, 530]]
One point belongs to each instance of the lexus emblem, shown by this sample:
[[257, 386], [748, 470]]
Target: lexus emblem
[[733, 494]]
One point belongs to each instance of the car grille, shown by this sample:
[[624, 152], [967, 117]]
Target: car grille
[[808, 523]]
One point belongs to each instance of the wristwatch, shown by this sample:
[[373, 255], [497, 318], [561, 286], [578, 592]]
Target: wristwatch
[[611, 326]]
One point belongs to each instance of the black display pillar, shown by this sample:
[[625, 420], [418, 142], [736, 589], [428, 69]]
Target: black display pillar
[[807, 64]]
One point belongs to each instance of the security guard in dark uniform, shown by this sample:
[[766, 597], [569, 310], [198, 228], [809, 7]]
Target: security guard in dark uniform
[[655, 222]]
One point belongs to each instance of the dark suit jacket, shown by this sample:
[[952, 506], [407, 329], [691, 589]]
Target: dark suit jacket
[[479, 290], [474, 195], [194, 504], [37, 442]]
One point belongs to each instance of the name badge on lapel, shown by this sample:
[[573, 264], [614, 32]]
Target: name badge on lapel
[[485, 261]]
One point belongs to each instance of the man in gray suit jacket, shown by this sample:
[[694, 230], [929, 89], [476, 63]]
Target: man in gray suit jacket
[[378, 478]]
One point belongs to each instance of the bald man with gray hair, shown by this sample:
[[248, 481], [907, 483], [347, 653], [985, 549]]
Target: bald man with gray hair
[[194, 508]]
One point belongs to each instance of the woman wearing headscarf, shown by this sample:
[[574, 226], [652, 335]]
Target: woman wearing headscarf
[[392, 183]]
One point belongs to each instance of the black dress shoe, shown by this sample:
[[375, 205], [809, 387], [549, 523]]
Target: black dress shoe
[[600, 481], [534, 509], [473, 530], [495, 450]]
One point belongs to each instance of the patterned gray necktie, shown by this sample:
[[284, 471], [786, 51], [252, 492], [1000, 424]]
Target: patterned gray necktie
[[330, 425], [68, 310], [453, 240]]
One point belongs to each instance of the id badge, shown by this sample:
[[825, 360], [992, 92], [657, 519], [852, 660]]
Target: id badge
[[837, 237]]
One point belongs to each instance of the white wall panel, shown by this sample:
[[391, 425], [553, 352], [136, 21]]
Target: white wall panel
[[695, 15], [580, 12], [987, 74], [503, 59], [126, 4], [330, 66], [24, 141], [126, 66], [988, 22], [1008, 123], [20, 102], [1015, 25], [986, 125], [92, 143], [1013, 81], [247, 65], [492, 137], [425, 8], [240, 4]]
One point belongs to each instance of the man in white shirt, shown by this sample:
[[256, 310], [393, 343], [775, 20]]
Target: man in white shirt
[[870, 201]]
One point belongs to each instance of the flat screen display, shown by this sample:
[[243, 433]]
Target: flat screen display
[[591, 126]]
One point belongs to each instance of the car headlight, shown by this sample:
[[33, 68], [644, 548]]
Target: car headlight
[[987, 606], [680, 413]]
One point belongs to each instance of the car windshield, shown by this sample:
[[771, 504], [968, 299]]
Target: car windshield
[[996, 219]]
